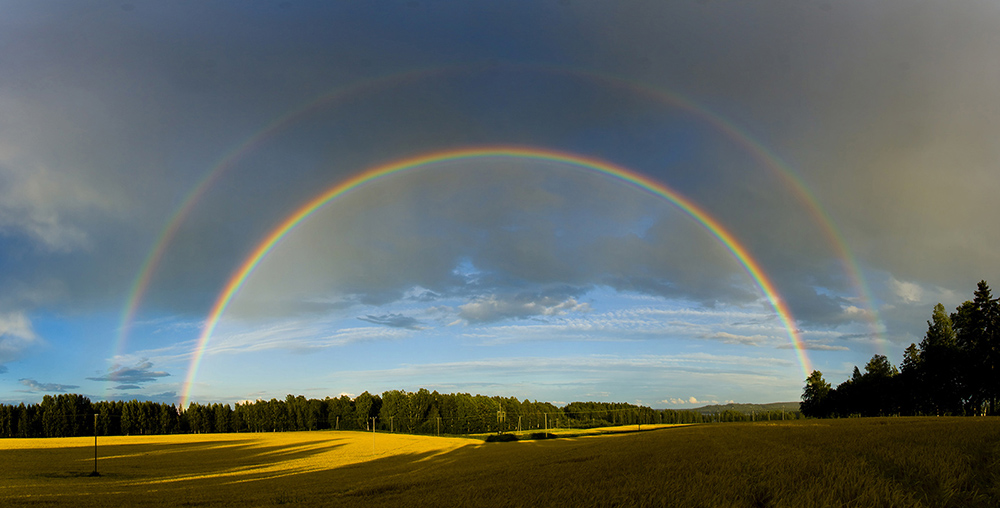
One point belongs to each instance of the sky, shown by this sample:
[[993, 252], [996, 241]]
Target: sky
[[664, 203]]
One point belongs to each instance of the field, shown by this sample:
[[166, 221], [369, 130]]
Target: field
[[859, 462]]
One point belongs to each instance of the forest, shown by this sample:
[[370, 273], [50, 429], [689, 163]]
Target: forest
[[955, 370], [419, 412]]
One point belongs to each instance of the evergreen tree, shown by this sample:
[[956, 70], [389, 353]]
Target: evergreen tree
[[939, 377], [814, 395], [976, 324]]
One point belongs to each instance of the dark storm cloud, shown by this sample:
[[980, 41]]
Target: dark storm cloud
[[110, 117], [195, 84], [140, 373], [885, 111], [395, 321], [90, 172]]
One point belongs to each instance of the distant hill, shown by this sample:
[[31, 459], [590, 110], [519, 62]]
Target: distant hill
[[747, 408]]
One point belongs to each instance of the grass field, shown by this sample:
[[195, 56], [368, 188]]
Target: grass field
[[860, 462]]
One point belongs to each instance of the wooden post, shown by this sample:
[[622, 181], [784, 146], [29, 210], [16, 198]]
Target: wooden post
[[95, 473]]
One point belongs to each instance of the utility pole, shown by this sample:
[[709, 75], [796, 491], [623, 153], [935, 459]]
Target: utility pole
[[373, 435], [95, 473], [439, 426], [501, 417]]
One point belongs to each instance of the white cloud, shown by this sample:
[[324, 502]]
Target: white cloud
[[494, 308], [908, 292], [679, 401], [16, 336], [855, 312]]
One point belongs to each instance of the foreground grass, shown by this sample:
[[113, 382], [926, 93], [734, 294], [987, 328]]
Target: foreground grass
[[865, 462]]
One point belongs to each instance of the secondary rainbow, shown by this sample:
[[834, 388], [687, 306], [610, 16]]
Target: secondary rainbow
[[247, 267]]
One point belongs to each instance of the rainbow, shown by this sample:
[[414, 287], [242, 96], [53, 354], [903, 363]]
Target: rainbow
[[224, 164], [725, 126], [784, 172], [246, 268]]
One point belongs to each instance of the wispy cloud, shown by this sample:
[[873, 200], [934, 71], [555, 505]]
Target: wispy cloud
[[667, 363], [134, 375], [299, 336], [395, 321], [731, 338], [816, 346], [35, 386]]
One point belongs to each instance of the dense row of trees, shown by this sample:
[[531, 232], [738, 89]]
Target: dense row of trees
[[955, 370], [393, 411]]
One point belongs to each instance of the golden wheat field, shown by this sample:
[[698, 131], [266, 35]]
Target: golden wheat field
[[859, 462]]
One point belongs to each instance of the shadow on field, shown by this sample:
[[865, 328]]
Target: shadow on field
[[164, 463]]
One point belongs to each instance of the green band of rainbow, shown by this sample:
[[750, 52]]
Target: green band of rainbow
[[236, 281]]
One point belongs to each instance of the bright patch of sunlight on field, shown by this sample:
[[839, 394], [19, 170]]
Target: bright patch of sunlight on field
[[35, 466]]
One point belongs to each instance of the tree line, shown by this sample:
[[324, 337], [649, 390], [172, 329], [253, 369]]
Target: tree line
[[955, 370], [419, 412]]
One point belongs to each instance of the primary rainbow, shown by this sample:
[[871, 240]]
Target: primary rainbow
[[667, 97], [237, 279]]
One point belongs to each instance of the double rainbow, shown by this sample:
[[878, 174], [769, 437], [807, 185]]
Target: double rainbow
[[666, 97], [713, 226]]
